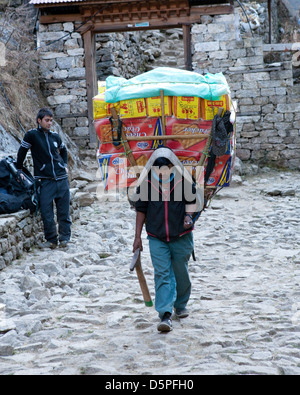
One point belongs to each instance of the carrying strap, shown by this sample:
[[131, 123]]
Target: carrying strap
[[116, 130], [123, 139]]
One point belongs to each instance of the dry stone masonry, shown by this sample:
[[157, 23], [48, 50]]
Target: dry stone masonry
[[268, 126], [21, 231], [63, 76]]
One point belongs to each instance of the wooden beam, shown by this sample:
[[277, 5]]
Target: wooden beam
[[61, 18], [187, 40], [91, 79], [199, 136], [88, 3], [134, 25], [192, 16], [213, 9]]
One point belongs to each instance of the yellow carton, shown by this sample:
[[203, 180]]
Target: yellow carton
[[134, 108], [153, 105], [186, 107], [210, 108], [101, 109], [99, 106], [101, 86]]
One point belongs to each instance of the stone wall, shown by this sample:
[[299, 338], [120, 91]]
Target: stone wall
[[119, 54], [63, 81], [11, 3], [268, 118], [131, 53], [21, 231]]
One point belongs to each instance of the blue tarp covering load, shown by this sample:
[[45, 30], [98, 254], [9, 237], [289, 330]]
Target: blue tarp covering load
[[173, 82]]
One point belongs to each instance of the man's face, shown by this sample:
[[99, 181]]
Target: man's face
[[164, 172], [46, 122]]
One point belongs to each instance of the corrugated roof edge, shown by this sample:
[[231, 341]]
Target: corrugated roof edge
[[40, 2]]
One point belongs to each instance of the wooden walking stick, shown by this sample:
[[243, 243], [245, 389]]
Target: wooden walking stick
[[136, 264]]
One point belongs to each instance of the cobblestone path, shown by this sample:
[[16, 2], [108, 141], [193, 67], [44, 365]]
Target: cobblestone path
[[80, 311]]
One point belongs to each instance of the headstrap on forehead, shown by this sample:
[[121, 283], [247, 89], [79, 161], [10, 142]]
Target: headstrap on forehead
[[164, 153]]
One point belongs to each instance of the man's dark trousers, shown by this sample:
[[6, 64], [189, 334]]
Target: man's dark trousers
[[58, 192]]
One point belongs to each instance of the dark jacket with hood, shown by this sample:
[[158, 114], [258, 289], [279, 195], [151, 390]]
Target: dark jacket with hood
[[49, 154], [164, 214]]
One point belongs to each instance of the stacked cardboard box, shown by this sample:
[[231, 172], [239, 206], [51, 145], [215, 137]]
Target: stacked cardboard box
[[186, 116]]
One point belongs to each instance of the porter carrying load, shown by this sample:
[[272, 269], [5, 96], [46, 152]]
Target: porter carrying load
[[183, 120]]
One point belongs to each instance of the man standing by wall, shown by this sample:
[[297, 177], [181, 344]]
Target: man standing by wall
[[50, 158]]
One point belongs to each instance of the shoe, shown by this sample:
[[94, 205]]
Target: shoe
[[165, 324], [182, 313], [63, 244], [47, 244]]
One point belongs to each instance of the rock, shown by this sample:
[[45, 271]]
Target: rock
[[83, 176], [236, 180], [85, 199], [6, 350], [289, 192], [274, 192], [114, 319], [6, 325], [29, 283], [39, 294]]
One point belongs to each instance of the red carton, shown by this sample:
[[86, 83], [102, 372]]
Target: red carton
[[188, 128], [115, 171], [133, 127], [143, 127], [142, 157], [105, 133], [221, 175]]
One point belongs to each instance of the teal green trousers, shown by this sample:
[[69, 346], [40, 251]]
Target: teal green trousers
[[171, 276]]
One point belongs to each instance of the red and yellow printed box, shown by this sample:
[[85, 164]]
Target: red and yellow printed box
[[135, 127], [221, 175], [209, 108], [116, 169], [187, 128], [105, 132], [142, 128], [186, 107], [154, 109], [189, 159], [133, 108], [101, 86]]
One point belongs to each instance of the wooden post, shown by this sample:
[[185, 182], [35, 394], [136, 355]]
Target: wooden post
[[270, 20], [91, 80], [187, 39]]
